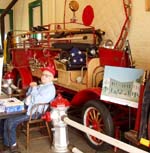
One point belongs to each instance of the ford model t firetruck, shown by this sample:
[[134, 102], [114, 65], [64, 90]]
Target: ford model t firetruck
[[76, 54]]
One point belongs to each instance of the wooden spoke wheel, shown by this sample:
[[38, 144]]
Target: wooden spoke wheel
[[96, 116]]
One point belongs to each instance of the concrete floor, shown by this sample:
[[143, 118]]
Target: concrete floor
[[43, 146]]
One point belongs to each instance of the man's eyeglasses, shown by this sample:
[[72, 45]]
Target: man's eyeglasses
[[46, 75]]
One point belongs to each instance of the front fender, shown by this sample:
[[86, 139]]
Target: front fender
[[85, 95], [25, 75]]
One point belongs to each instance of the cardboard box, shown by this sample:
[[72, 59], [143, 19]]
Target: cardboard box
[[2, 108], [12, 105]]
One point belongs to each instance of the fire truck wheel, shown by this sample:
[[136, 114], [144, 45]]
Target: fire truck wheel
[[96, 116]]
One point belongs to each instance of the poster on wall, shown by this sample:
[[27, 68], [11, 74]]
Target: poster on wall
[[122, 85], [1, 70]]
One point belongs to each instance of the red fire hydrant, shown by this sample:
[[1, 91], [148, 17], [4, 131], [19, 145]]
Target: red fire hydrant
[[7, 82], [60, 133]]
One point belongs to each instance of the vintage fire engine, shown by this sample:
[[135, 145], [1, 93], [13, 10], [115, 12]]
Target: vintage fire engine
[[78, 58], [80, 68]]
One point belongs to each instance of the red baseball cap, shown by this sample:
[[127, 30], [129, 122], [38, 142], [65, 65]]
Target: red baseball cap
[[50, 69]]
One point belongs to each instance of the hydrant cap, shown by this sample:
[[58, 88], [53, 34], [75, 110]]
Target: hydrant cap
[[60, 102]]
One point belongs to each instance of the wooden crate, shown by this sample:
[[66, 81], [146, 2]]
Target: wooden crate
[[63, 76], [67, 77], [59, 65]]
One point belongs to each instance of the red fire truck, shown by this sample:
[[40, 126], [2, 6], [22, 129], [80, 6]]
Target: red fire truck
[[79, 61]]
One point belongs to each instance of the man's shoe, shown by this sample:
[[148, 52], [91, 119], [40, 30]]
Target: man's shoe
[[14, 149]]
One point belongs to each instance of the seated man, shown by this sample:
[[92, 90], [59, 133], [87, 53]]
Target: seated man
[[43, 93]]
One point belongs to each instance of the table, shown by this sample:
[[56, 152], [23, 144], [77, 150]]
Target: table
[[5, 115], [12, 114]]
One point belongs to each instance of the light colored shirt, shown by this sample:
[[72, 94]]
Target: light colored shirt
[[43, 93]]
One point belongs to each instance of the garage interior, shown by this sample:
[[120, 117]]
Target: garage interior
[[91, 45]]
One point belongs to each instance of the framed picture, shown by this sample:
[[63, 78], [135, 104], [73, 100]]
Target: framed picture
[[122, 85]]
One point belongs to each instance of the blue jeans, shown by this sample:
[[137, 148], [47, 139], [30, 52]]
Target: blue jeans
[[1, 127], [10, 126]]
